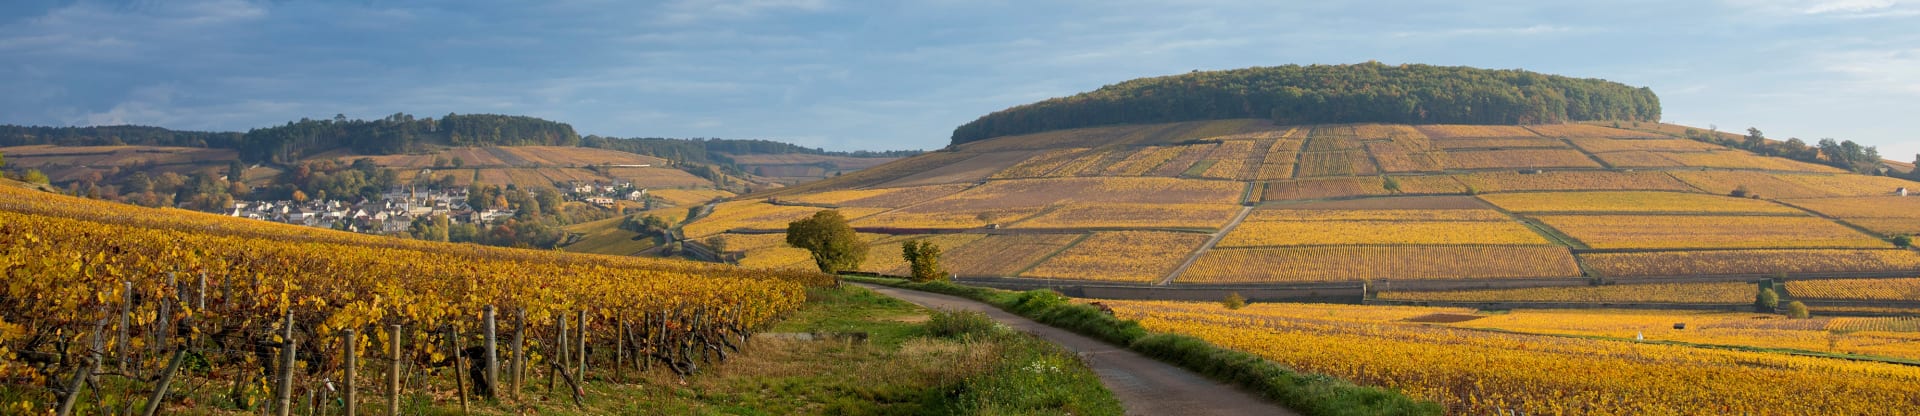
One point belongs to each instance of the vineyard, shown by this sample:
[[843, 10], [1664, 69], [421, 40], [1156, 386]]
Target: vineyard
[[1700, 231], [1477, 372], [1857, 289], [1722, 293], [1681, 263], [1354, 264], [1337, 233], [1126, 256], [126, 288]]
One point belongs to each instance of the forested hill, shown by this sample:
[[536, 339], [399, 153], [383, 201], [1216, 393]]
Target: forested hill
[[1368, 92], [398, 133]]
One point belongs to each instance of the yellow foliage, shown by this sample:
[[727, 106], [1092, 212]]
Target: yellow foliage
[[1700, 231], [1519, 159], [1681, 263], [1730, 292], [1118, 215], [1633, 202], [1333, 233], [1347, 264], [1128, 256], [1907, 289], [1486, 182]]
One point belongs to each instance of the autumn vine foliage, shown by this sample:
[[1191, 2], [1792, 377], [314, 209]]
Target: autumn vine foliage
[[73, 268]]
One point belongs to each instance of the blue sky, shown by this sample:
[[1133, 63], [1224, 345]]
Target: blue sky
[[902, 74]]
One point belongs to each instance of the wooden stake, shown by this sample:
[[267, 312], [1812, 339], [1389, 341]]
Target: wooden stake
[[353, 363], [393, 373], [560, 348], [286, 370], [459, 364], [125, 341], [519, 351], [583, 346], [620, 353], [493, 355]]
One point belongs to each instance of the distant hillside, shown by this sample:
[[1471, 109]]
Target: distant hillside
[[1293, 94], [284, 144], [1329, 208]]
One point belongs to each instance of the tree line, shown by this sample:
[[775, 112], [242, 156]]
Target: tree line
[[1294, 94], [1844, 154], [285, 144]]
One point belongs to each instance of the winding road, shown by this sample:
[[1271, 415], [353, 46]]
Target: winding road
[[1144, 386]]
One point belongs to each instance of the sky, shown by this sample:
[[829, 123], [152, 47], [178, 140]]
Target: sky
[[883, 75]]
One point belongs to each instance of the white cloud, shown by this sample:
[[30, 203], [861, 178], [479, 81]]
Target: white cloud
[[1836, 8], [1878, 70], [690, 11]]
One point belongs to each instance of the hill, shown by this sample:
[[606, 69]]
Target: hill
[[1345, 211], [1293, 94]]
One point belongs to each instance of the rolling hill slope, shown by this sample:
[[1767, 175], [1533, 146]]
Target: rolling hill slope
[[1333, 206]]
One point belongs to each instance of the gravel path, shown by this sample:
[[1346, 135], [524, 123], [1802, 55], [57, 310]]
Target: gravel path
[[1144, 386]]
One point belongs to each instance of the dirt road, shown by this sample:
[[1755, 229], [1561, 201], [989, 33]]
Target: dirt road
[[1143, 385], [1217, 236]]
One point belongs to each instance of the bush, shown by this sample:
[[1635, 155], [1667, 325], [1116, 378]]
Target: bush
[[1739, 192], [957, 324], [1902, 241], [1796, 310], [1766, 301], [1234, 301]]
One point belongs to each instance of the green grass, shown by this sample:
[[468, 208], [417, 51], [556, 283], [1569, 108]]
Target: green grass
[[606, 237], [901, 368], [1311, 394]]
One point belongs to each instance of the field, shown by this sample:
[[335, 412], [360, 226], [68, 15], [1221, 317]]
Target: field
[[1120, 215], [1485, 182], [1890, 215], [1500, 143], [1347, 163], [1602, 145], [1701, 231], [1734, 159], [1730, 292], [1586, 130], [940, 216], [1857, 289], [1325, 188], [1004, 255], [884, 255], [1450, 131], [758, 215], [1354, 264], [876, 198], [1393, 158], [1347, 233], [1263, 215], [1477, 372], [1717, 328], [1124, 256], [1522, 158], [1633, 202], [1755, 262], [1790, 185], [687, 196]]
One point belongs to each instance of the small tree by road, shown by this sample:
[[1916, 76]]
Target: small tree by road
[[835, 247]]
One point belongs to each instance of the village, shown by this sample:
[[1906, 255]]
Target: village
[[395, 210]]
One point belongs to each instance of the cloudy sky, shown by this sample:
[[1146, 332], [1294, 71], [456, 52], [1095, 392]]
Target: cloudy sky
[[901, 74]]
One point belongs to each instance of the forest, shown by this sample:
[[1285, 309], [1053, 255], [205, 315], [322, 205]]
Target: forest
[[1294, 94], [286, 144]]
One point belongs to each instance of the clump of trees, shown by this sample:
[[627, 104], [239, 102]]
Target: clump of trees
[[1844, 154], [1766, 301], [834, 245], [1368, 92], [923, 257], [1234, 301]]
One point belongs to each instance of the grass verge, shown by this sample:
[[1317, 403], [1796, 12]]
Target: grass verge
[[1311, 394]]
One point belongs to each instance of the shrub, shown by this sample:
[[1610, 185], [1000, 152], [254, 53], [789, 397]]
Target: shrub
[[1902, 241], [957, 324], [1796, 310], [1766, 301], [1234, 301], [1740, 192]]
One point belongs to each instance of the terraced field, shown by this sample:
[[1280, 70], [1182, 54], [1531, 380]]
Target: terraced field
[[1343, 204]]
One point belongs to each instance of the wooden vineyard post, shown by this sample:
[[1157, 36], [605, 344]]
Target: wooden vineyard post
[[125, 341], [620, 353], [560, 349], [85, 371], [459, 380], [286, 370], [393, 373], [583, 346], [493, 355], [519, 351], [353, 362]]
